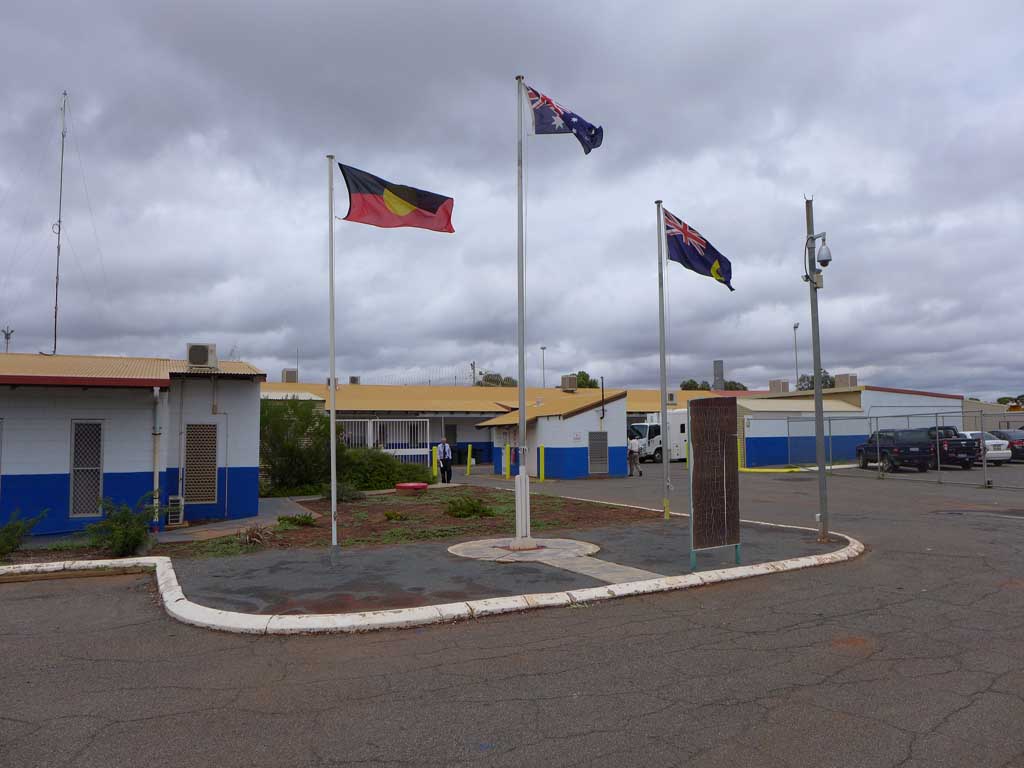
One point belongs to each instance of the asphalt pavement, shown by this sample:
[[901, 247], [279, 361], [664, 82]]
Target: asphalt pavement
[[912, 655]]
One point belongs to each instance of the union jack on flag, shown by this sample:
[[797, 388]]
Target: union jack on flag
[[551, 117], [688, 247]]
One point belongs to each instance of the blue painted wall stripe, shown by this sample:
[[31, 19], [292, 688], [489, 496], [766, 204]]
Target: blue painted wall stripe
[[31, 494]]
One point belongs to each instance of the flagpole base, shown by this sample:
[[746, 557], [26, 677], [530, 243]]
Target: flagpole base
[[523, 544]]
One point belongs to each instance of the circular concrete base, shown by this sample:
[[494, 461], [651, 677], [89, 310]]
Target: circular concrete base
[[501, 550]]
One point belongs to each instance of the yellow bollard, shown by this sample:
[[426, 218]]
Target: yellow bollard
[[507, 467], [433, 462], [540, 466], [469, 458]]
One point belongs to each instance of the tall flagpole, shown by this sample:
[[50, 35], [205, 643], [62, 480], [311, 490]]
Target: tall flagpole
[[333, 386], [58, 227], [665, 436], [522, 540]]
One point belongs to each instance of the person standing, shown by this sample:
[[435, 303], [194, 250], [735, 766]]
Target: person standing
[[634, 456], [444, 457]]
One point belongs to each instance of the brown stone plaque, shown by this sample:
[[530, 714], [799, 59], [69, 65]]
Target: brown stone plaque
[[716, 478]]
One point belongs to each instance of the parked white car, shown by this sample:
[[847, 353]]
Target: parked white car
[[996, 450]]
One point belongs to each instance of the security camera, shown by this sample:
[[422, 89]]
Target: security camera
[[824, 254]]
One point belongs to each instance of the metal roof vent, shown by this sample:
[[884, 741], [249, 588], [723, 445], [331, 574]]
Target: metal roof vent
[[202, 356], [289, 375], [569, 382]]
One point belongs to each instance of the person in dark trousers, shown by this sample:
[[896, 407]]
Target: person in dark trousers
[[444, 458]]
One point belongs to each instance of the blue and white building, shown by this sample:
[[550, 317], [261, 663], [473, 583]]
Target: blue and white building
[[582, 434], [75, 430], [778, 429]]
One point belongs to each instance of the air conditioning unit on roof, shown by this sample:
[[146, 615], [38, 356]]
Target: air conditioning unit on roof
[[202, 355], [569, 382], [289, 375], [670, 398]]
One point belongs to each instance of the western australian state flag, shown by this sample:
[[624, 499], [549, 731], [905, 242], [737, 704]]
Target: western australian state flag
[[688, 247], [551, 117]]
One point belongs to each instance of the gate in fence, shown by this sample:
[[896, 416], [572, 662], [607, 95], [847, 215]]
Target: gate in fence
[[408, 440]]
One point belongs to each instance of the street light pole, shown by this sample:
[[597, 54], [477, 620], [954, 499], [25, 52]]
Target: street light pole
[[796, 360], [543, 369], [813, 277]]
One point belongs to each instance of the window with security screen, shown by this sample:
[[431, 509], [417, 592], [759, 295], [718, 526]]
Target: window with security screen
[[86, 468], [200, 463]]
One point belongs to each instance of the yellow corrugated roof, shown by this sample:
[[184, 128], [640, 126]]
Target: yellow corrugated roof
[[581, 400], [382, 398], [22, 368], [795, 405], [649, 400]]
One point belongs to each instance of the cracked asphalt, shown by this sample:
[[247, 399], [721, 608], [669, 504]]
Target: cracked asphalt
[[912, 655]]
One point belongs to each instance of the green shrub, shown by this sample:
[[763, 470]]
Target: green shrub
[[222, 546], [122, 530], [312, 489], [294, 444], [369, 469], [395, 516], [14, 530], [346, 492], [301, 520], [467, 506]]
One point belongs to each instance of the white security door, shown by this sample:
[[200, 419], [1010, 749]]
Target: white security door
[[86, 468]]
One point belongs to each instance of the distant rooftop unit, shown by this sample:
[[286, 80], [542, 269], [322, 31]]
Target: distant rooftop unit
[[844, 380], [569, 382], [778, 386], [289, 375]]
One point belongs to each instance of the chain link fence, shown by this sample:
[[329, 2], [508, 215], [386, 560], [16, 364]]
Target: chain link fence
[[844, 435]]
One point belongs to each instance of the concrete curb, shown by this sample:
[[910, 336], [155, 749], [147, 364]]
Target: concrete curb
[[184, 610]]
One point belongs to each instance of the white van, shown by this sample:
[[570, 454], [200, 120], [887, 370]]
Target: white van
[[649, 434]]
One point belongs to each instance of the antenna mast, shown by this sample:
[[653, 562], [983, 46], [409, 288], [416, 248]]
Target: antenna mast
[[60, 210]]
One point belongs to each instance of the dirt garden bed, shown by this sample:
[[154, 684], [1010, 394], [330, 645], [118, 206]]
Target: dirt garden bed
[[388, 519]]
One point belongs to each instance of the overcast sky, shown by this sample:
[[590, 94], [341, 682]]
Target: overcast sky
[[195, 195]]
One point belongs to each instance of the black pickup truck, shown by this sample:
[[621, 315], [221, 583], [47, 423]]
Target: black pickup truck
[[953, 447], [896, 448]]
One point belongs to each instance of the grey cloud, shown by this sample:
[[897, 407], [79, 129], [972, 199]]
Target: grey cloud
[[202, 129]]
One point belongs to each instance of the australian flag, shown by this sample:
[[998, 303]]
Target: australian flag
[[551, 117], [687, 246]]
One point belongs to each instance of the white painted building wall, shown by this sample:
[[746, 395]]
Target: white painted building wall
[[37, 428], [233, 405], [922, 409]]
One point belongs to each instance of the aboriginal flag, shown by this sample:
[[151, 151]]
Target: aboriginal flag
[[372, 200]]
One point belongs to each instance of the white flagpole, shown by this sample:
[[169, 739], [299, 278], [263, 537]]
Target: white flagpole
[[522, 540], [333, 386], [665, 437]]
